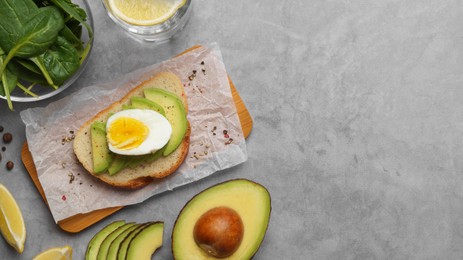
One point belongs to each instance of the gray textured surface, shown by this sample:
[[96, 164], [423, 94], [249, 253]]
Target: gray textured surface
[[358, 121]]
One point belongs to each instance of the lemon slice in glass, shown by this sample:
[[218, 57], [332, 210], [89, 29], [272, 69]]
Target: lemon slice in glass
[[145, 12], [11, 220], [58, 253]]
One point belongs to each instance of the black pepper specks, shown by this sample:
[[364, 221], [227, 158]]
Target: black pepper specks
[[9, 165], [69, 138], [7, 137]]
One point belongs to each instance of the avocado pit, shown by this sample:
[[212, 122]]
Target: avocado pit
[[219, 231]]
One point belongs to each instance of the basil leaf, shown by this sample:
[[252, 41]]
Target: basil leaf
[[61, 60], [14, 15]]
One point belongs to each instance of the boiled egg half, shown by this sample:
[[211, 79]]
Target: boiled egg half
[[137, 132]]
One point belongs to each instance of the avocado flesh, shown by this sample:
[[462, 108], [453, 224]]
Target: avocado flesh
[[100, 152], [104, 247], [249, 199], [145, 243], [144, 103], [122, 251], [95, 242], [175, 114], [114, 247]]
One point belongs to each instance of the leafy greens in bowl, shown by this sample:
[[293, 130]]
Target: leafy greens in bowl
[[44, 45]]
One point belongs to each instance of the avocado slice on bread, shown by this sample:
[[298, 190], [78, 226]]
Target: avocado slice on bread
[[163, 93]]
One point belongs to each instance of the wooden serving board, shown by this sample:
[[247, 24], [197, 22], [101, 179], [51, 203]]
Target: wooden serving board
[[79, 222]]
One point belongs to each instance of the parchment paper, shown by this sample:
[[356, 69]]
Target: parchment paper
[[70, 190]]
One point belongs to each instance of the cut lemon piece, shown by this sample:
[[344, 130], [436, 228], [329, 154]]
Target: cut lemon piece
[[145, 12], [11, 220], [56, 253]]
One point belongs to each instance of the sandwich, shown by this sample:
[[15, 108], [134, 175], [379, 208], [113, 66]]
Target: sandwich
[[140, 138]]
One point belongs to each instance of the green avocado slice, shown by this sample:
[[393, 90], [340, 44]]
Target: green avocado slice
[[95, 242], [146, 242], [114, 247], [249, 199], [175, 114], [122, 251], [104, 247], [100, 152], [143, 103]]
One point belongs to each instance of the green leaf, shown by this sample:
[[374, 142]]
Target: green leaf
[[61, 60], [40, 64], [76, 27], [28, 65], [39, 33], [14, 15], [9, 79], [75, 12], [72, 38], [30, 72]]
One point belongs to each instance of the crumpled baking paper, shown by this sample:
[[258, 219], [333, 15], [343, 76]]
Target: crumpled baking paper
[[70, 190]]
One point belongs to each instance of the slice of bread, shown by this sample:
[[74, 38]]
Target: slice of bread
[[147, 172]]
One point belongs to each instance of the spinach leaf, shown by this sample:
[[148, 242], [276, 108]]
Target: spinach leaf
[[75, 12], [29, 76], [40, 64], [76, 27], [28, 65], [72, 38], [14, 15], [61, 60], [9, 79], [39, 33]]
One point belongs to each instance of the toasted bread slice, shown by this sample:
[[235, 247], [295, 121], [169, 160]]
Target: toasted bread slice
[[147, 172]]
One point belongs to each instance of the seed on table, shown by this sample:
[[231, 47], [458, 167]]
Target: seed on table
[[1, 128], [7, 137], [9, 165]]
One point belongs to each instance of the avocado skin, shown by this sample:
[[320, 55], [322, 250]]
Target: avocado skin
[[237, 181], [98, 238], [144, 240], [114, 247], [122, 251]]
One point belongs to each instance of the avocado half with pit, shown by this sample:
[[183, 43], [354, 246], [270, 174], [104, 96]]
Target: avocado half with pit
[[229, 220]]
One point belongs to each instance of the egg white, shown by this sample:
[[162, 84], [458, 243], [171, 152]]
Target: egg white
[[160, 131]]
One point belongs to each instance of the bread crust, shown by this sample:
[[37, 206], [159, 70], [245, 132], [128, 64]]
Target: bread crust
[[147, 172]]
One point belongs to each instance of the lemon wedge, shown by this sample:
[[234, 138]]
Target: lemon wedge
[[145, 12], [11, 220], [56, 253]]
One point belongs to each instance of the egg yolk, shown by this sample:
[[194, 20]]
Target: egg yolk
[[126, 133]]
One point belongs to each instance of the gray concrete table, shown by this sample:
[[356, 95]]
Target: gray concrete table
[[358, 125]]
